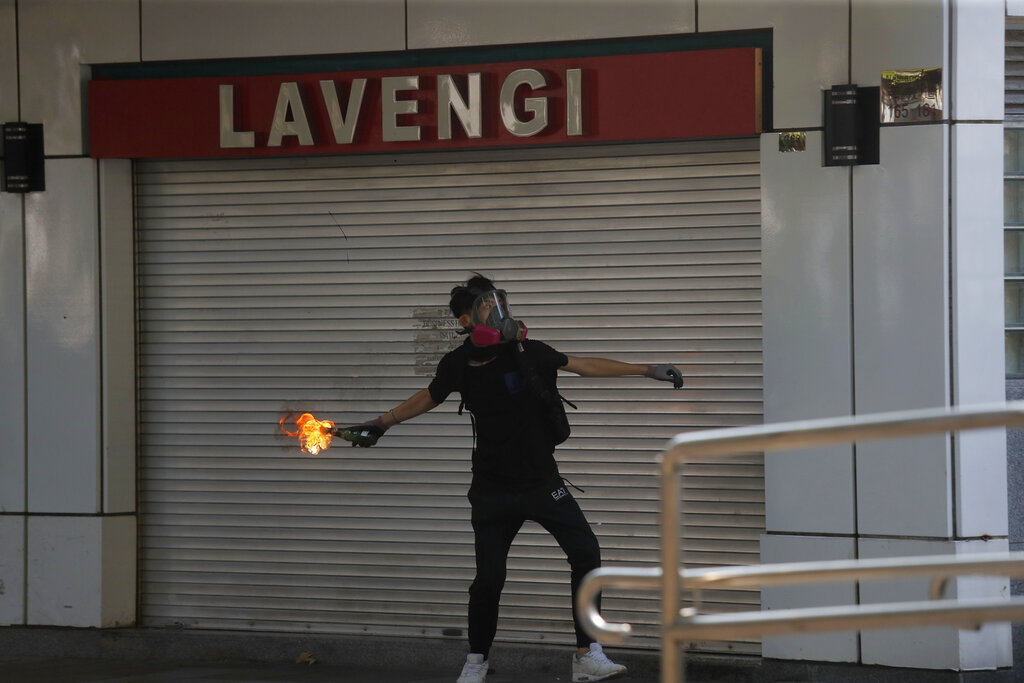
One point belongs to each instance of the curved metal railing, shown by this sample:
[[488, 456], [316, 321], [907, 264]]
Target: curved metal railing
[[679, 623]]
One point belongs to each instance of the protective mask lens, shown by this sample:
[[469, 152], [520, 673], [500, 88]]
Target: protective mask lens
[[491, 308]]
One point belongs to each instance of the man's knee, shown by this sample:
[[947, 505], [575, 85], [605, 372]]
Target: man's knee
[[487, 585], [586, 555]]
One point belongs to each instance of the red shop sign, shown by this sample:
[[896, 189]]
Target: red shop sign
[[649, 96]]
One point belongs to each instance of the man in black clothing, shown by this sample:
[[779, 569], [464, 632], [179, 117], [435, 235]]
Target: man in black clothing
[[508, 383]]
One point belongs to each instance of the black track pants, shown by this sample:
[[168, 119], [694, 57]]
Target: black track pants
[[497, 518]]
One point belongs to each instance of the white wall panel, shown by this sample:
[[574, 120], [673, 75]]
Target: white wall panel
[[63, 339], [901, 327], [837, 646], [810, 49], [933, 647], [81, 571], [212, 29], [12, 353], [977, 266], [64, 555], [118, 334], [904, 487], [449, 23], [8, 64], [991, 646], [978, 46], [56, 38], [807, 327], [978, 358], [901, 271], [12, 570], [898, 35]]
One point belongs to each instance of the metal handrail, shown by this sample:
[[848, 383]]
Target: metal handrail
[[940, 567], [678, 625]]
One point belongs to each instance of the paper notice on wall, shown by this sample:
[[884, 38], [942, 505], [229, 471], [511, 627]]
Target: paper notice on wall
[[911, 95], [435, 333]]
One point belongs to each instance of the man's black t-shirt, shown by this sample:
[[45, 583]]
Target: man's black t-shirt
[[514, 448]]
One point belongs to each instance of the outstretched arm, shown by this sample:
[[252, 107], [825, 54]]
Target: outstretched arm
[[606, 367], [602, 367], [415, 405]]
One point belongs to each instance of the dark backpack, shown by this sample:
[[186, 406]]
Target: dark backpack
[[545, 393]]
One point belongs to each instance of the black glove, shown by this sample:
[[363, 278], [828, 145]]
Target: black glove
[[364, 435], [665, 373]]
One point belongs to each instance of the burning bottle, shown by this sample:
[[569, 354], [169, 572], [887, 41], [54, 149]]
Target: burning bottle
[[314, 435]]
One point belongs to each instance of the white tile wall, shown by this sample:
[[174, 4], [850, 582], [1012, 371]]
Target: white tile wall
[[81, 571], [214, 29], [901, 271], [12, 570], [805, 249], [811, 41], [810, 490], [837, 646], [904, 487], [935, 647], [992, 646], [901, 327], [63, 340], [450, 23], [977, 291], [12, 353], [977, 267], [978, 46], [929, 649], [8, 65], [64, 571], [118, 334], [898, 35], [56, 38], [981, 483]]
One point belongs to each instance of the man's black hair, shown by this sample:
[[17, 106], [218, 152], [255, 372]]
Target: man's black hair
[[463, 296]]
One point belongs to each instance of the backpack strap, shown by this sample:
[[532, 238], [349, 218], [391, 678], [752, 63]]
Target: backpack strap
[[472, 420], [461, 369]]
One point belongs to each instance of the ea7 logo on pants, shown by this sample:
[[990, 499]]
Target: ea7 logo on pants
[[559, 493]]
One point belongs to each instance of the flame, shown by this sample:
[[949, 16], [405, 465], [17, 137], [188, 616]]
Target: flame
[[314, 435]]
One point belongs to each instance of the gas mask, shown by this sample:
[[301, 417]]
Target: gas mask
[[492, 322]]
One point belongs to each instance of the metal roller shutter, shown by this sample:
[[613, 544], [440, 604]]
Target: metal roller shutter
[[321, 284], [1014, 70]]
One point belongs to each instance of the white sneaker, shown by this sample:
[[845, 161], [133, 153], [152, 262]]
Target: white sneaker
[[594, 666], [474, 670]]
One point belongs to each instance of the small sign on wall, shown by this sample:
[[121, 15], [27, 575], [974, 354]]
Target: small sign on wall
[[792, 142], [911, 95], [24, 169], [851, 126]]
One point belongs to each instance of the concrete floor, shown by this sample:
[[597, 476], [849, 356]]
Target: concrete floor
[[119, 671], [148, 655]]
